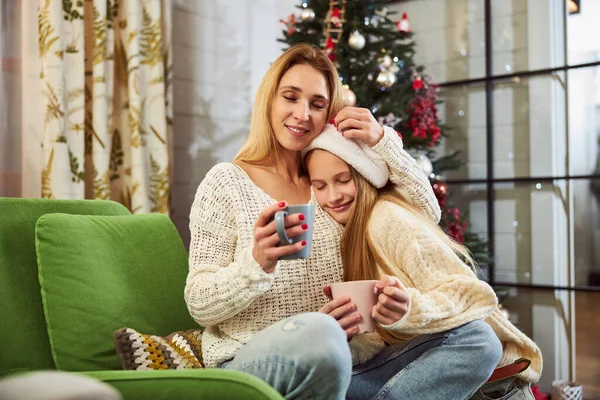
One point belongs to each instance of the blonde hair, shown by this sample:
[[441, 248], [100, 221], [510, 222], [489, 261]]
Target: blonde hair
[[261, 147], [359, 255]]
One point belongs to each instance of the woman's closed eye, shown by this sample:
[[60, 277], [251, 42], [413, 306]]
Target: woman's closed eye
[[317, 105]]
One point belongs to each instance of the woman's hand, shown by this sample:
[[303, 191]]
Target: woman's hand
[[342, 310], [266, 251], [392, 302], [359, 123]]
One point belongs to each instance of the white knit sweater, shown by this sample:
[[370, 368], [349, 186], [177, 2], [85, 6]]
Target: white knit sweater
[[444, 292], [229, 293]]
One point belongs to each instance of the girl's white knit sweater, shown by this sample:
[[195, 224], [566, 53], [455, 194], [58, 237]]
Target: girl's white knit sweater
[[444, 291], [229, 293]]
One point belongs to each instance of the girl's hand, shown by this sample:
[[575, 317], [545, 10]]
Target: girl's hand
[[392, 302], [266, 251], [359, 123], [343, 310]]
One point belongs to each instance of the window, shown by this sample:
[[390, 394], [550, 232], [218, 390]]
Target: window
[[520, 84]]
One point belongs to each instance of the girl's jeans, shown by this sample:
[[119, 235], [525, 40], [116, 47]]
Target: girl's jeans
[[307, 357]]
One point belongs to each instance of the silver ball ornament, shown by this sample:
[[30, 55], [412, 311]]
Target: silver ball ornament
[[386, 62], [386, 79], [356, 40], [307, 15], [425, 164], [349, 96]]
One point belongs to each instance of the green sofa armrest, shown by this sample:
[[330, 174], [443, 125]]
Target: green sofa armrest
[[205, 384]]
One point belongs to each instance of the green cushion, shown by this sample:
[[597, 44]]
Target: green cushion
[[99, 274], [23, 338], [206, 384]]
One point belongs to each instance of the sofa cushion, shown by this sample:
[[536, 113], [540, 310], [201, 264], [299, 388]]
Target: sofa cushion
[[99, 274], [23, 339], [139, 351]]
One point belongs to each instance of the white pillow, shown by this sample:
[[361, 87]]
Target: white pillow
[[55, 385]]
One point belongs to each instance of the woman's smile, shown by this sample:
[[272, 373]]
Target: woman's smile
[[297, 130]]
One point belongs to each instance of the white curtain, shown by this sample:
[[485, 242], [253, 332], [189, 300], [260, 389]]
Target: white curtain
[[95, 115], [10, 95]]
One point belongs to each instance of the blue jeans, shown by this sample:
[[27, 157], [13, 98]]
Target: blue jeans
[[446, 365], [303, 357], [307, 357], [510, 388]]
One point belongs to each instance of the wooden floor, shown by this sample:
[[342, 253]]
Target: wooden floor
[[587, 334]]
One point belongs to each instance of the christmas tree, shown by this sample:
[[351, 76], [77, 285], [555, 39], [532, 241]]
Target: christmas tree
[[374, 53]]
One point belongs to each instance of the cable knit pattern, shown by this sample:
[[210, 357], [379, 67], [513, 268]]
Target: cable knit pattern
[[444, 292], [227, 291], [516, 345], [406, 174]]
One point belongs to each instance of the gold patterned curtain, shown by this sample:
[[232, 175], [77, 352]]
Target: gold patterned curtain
[[107, 100]]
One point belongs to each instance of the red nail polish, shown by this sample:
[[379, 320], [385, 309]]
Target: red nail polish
[[304, 243], [301, 217], [332, 121], [282, 204], [305, 226]]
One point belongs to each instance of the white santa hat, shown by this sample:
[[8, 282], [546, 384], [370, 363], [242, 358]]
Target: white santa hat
[[354, 152]]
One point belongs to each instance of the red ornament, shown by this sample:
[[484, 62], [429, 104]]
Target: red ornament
[[417, 83], [423, 113], [453, 213], [290, 23], [403, 25], [455, 227], [538, 394], [456, 232], [335, 17], [440, 189], [329, 47], [399, 134]]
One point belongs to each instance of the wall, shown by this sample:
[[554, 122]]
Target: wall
[[221, 51]]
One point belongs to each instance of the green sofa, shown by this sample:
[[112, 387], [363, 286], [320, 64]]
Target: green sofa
[[36, 333]]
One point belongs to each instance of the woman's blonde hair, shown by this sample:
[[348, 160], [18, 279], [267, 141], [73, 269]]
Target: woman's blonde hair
[[261, 147], [359, 255]]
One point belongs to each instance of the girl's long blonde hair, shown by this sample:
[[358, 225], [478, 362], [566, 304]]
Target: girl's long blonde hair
[[359, 255], [261, 147]]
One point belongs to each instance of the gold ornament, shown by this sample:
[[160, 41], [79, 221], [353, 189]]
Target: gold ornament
[[307, 15], [386, 79], [349, 96], [385, 62]]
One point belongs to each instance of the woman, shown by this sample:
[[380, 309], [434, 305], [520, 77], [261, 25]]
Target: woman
[[259, 312], [427, 286]]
